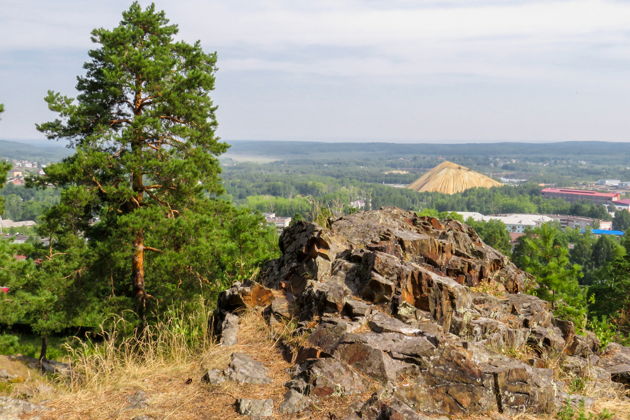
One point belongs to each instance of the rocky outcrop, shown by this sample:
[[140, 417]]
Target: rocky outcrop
[[15, 409], [391, 301]]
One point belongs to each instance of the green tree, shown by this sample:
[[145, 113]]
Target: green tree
[[611, 290], [493, 233], [4, 168], [605, 250], [143, 132], [543, 252], [621, 221], [582, 251]]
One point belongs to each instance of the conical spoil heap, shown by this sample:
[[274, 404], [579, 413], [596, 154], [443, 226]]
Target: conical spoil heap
[[451, 178]]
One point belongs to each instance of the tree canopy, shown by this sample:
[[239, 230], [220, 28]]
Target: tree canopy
[[144, 170], [543, 252]]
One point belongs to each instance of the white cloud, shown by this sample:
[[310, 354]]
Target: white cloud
[[516, 58]]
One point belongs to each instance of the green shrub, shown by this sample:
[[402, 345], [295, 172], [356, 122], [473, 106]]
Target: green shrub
[[570, 412], [604, 329]]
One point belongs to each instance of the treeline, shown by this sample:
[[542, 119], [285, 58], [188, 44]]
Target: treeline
[[22, 203], [288, 194]]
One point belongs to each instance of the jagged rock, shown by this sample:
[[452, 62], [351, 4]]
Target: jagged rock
[[616, 361], [394, 409], [389, 299], [379, 322], [214, 377], [244, 369], [14, 409], [229, 330], [255, 408], [355, 308], [324, 377], [294, 402], [583, 345]]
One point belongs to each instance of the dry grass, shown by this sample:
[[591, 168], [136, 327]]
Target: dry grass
[[168, 367], [493, 288]]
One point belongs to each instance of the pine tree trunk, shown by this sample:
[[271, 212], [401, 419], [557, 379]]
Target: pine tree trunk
[[138, 277], [137, 264], [44, 349]]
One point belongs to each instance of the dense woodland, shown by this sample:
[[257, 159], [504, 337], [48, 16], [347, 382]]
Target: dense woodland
[[141, 218]]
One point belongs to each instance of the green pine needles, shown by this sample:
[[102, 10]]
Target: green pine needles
[[140, 189]]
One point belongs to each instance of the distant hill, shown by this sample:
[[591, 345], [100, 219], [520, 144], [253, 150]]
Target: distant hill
[[40, 151], [451, 178], [587, 150]]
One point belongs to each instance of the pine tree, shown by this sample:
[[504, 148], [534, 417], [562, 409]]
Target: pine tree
[[543, 252], [4, 168], [143, 132]]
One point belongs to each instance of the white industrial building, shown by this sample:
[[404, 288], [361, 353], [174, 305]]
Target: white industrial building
[[515, 223]]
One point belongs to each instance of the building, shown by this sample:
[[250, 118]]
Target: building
[[567, 221], [279, 222], [357, 204], [515, 223], [609, 182], [605, 225], [623, 204], [580, 195], [8, 223]]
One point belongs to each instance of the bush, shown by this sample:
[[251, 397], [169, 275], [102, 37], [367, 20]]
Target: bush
[[604, 329], [570, 412]]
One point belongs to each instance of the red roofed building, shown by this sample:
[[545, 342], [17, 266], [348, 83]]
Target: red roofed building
[[580, 195], [622, 204]]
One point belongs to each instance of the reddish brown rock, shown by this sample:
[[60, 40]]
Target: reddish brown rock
[[385, 299]]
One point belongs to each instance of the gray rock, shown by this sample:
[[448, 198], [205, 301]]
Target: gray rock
[[143, 417], [255, 408], [244, 369], [394, 409], [328, 376], [6, 376], [229, 330], [294, 402], [214, 377], [13, 409], [137, 400], [379, 322], [419, 284], [356, 308], [616, 361]]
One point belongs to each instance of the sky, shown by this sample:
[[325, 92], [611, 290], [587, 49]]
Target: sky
[[359, 70]]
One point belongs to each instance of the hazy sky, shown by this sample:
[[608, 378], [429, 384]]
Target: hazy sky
[[389, 70]]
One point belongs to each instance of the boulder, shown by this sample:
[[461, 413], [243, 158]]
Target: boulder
[[229, 330], [255, 408], [214, 377], [391, 301], [14, 409], [325, 377], [616, 361], [243, 369], [137, 400], [294, 402]]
